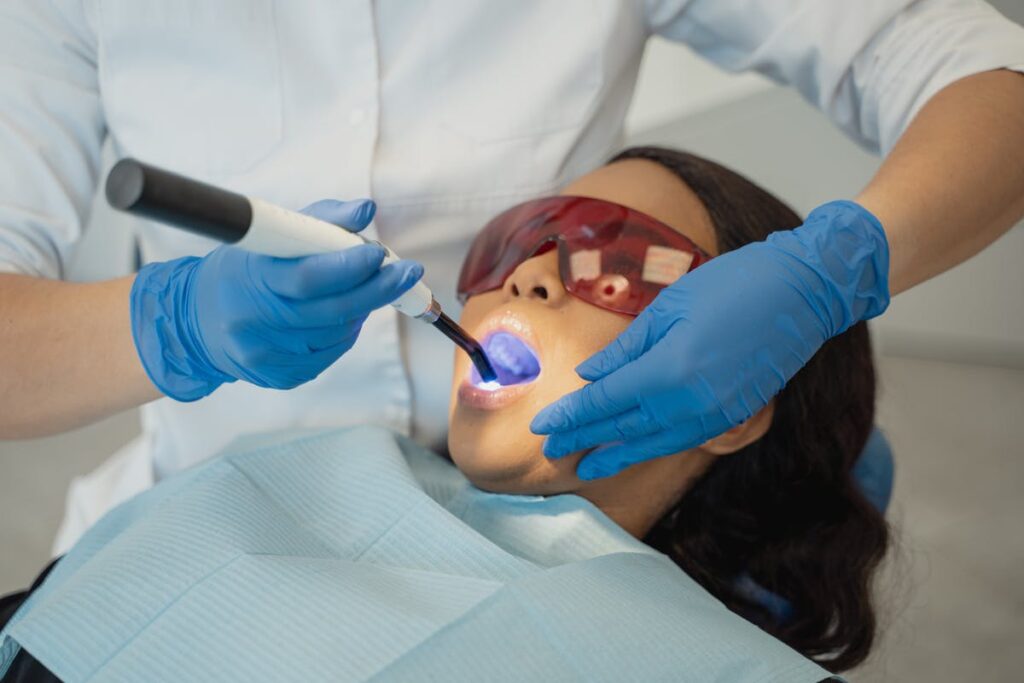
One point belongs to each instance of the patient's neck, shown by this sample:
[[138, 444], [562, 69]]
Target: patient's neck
[[638, 497]]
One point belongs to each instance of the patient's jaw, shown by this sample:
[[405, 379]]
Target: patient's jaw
[[489, 437]]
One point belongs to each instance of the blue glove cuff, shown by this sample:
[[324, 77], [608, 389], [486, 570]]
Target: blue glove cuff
[[846, 248], [173, 358]]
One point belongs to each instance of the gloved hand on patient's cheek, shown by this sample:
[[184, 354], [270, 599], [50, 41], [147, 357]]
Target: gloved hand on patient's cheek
[[715, 346], [273, 322]]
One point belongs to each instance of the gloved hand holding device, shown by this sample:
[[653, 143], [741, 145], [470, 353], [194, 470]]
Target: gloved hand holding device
[[273, 322], [715, 346]]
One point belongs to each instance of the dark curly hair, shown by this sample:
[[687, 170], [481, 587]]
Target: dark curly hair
[[785, 511]]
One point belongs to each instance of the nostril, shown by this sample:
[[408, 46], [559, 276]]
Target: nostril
[[542, 292], [515, 290]]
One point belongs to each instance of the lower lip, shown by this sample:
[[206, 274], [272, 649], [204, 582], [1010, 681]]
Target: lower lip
[[490, 399]]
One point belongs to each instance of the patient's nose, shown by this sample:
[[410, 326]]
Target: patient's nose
[[536, 278]]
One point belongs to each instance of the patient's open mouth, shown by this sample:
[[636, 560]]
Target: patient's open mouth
[[511, 346], [512, 358]]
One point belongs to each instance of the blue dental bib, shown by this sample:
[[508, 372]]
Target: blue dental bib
[[356, 555]]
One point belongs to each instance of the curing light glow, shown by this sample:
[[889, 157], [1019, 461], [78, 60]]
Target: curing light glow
[[513, 360]]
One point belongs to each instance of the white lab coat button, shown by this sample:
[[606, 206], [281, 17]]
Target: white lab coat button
[[357, 116]]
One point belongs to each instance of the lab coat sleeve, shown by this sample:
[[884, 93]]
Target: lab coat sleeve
[[51, 132], [870, 65]]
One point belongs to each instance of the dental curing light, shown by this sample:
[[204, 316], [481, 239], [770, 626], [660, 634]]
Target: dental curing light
[[264, 228]]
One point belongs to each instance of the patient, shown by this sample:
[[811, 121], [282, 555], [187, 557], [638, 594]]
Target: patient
[[356, 554], [772, 499]]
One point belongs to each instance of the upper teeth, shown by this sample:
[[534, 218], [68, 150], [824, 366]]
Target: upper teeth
[[511, 354]]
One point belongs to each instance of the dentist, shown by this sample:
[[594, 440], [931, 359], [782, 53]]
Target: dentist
[[447, 112]]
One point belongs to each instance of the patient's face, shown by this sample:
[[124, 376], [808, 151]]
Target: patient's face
[[489, 436]]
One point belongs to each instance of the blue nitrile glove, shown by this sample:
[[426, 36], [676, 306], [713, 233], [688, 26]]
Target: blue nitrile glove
[[274, 322], [715, 346]]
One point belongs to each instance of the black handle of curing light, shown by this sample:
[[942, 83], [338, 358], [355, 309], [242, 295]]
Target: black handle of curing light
[[170, 198]]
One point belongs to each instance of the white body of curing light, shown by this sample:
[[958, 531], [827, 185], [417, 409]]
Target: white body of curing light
[[264, 228]]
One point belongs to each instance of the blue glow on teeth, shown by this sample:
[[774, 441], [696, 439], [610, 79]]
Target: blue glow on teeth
[[513, 361]]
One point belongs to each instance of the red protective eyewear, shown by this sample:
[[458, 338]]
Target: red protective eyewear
[[608, 255]]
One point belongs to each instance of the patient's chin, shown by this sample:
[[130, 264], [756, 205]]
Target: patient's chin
[[533, 475]]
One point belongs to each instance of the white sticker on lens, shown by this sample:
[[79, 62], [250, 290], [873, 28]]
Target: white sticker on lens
[[664, 265], [585, 264]]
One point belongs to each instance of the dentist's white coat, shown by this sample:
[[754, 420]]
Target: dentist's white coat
[[444, 111]]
